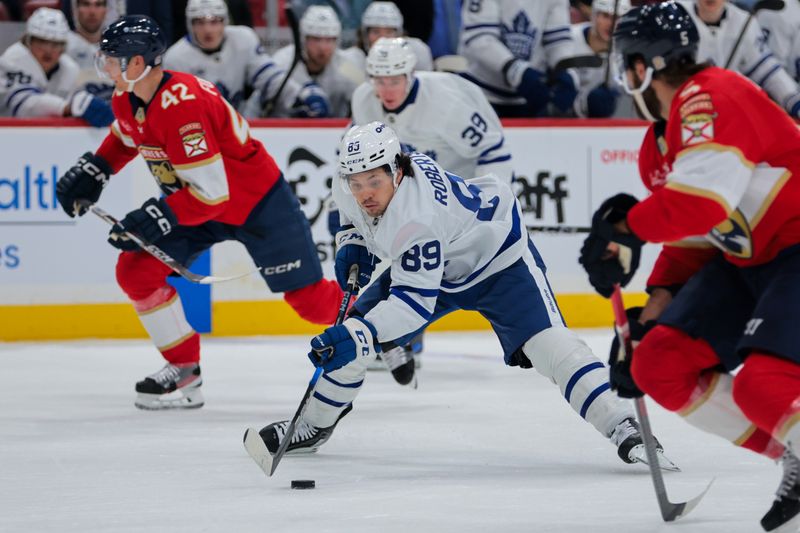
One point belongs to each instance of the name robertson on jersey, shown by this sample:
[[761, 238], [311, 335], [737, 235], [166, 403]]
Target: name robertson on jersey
[[432, 173]]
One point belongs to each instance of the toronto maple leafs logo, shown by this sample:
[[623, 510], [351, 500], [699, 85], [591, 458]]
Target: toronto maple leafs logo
[[519, 38], [410, 148]]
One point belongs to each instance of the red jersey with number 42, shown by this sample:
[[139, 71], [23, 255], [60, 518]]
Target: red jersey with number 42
[[728, 170], [197, 147]]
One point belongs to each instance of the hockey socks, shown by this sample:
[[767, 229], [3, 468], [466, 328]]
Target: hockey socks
[[317, 303], [675, 370]]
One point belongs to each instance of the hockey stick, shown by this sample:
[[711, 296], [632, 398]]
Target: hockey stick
[[769, 5], [294, 25], [611, 43], [585, 61], [253, 442], [669, 511], [560, 229], [162, 256]]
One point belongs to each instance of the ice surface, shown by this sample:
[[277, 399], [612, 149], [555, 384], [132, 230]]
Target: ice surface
[[478, 447]]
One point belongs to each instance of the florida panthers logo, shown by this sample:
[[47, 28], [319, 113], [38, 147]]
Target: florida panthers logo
[[733, 236], [519, 38], [161, 168]]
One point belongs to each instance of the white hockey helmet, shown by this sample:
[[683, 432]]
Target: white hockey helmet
[[390, 57], [382, 15], [205, 9], [320, 21], [48, 24], [367, 147], [607, 6]]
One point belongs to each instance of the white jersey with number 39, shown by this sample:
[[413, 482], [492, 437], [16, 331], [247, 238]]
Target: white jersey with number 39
[[440, 233], [467, 140]]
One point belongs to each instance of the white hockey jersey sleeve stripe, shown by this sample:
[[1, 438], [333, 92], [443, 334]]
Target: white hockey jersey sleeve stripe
[[513, 237], [15, 107], [493, 148], [560, 29], [264, 67], [413, 304], [557, 35]]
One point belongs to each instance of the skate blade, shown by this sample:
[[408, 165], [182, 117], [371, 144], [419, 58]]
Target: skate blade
[[179, 399], [788, 527], [257, 450], [638, 455]]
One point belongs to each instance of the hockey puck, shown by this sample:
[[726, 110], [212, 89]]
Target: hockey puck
[[303, 484]]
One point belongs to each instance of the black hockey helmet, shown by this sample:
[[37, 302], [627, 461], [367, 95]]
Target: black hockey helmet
[[656, 33], [134, 35]]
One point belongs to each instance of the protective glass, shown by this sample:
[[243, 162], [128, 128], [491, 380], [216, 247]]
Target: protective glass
[[107, 67]]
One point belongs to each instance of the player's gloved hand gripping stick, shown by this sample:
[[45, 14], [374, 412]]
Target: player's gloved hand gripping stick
[[160, 254], [253, 442], [669, 511]]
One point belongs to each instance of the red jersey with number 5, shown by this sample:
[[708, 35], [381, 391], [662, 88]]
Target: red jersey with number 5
[[197, 147], [725, 170]]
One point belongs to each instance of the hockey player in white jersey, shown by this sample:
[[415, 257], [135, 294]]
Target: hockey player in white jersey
[[781, 31], [510, 45], [452, 245], [338, 72], [468, 139], [39, 80], [719, 24], [233, 59], [599, 97], [84, 43], [384, 19]]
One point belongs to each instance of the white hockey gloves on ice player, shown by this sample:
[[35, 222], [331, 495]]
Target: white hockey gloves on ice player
[[150, 222], [339, 345], [351, 250], [82, 184], [94, 110]]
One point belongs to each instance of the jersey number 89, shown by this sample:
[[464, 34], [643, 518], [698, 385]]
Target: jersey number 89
[[428, 256]]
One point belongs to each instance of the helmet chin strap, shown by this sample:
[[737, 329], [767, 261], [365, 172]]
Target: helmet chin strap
[[131, 83], [622, 79]]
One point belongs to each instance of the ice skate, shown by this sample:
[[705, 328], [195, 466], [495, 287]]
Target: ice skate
[[306, 438], [172, 387], [400, 361], [783, 515], [630, 447]]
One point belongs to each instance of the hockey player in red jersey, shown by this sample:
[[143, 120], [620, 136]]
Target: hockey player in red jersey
[[219, 184], [722, 171]]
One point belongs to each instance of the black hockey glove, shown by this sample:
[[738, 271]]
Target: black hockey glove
[[604, 271], [150, 222], [620, 376], [82, 184]]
